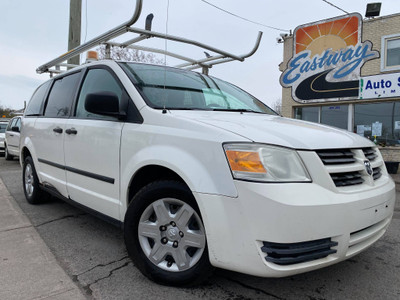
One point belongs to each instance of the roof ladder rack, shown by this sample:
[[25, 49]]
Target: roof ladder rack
[[55, 66]]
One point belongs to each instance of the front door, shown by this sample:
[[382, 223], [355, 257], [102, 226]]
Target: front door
[[92, 149]]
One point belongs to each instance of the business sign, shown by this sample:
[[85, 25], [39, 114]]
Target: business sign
[[327, 59], [380, 86]]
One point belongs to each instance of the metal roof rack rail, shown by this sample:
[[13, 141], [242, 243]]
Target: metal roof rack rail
[[55, 66]]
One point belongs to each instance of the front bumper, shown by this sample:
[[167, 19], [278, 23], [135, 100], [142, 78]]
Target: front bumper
[[238, 228]]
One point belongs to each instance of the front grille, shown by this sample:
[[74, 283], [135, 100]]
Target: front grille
[[346, 166], [370, 154], [348, 178], [294, 253], [339, 156]]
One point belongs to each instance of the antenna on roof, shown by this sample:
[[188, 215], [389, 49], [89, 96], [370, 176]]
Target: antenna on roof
[[149, 20]]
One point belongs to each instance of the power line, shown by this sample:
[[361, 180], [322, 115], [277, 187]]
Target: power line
[[336, 6], [237, 16]]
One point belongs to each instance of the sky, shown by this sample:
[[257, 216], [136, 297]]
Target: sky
[[35, 32]]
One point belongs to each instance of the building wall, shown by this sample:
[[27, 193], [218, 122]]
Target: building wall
[[373, 30]]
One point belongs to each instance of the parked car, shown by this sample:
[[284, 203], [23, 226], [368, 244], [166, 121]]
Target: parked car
[[202, 174], [11, 143], [3, 126]]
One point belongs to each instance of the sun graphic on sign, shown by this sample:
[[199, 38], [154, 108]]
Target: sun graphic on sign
[[336, 34]]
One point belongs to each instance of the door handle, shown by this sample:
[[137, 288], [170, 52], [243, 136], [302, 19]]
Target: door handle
[[71, 131], [58, 130], [11, 135]]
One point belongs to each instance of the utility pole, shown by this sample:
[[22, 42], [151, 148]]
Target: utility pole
[[74, 37]]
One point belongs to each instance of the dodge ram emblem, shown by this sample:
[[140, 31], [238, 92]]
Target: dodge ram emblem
[[368, 167]]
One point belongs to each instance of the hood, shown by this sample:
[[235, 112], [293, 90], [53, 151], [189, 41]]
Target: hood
[[277, 130]]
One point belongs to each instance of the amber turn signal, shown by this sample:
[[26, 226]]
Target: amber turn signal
[[245, 161]]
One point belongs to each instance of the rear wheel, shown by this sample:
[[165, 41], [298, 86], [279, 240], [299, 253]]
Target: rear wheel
[[7, 155], [32, 191], [165, 236]]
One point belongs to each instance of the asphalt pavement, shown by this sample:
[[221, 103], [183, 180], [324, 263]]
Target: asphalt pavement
[[28, 268]]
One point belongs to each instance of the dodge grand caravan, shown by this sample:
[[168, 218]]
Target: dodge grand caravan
[[201, 174]]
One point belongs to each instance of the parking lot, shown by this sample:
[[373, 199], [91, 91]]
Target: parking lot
[[93, 254]]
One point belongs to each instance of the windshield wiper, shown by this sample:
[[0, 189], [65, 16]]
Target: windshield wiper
[[238, 110]]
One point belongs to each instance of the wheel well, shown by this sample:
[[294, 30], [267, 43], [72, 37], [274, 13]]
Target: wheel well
[[149, 174], [25, 154]]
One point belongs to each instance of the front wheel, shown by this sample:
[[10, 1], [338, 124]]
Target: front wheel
[[165, 236]]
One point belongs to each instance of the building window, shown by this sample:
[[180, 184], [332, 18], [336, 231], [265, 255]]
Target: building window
[[390, 52], [309, 113], [378, 122], [335, 115]]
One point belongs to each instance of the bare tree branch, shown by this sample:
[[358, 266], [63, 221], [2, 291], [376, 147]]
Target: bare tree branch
[[126, 54]]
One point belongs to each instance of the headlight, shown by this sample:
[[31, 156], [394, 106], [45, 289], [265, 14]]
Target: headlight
[[264, 163]]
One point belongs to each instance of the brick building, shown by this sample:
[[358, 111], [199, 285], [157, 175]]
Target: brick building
[[345, 72]]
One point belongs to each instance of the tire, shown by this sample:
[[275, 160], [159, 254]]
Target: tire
[[7, 155], [32, 191], [168, 246]]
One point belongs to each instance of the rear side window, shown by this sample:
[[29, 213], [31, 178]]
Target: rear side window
[[36, 102], [61, 96]]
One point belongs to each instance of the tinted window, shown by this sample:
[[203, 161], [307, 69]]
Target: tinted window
[[380, 121], [61, 96], [18, 123], [3, 127], [11, 124], [335, 115], [307, 113], [96, 81], [35, 104]]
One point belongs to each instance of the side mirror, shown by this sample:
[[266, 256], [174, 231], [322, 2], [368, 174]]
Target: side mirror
[[15, 128], [103, 103]]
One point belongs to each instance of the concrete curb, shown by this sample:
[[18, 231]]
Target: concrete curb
[[28, 269]]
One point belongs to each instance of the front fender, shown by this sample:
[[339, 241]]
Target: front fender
[[203, 171]]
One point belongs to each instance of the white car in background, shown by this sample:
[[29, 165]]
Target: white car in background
[[11, 142], [3, 126]]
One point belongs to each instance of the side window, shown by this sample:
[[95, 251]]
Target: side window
[[36, 102], [61, 96], [97, 80], [11, 124], [18, 123]]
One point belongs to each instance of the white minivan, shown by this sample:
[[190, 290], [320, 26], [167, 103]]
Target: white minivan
[[200, 174]]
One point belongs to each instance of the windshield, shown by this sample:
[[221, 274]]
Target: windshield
[[3, 128], [170, 88]]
